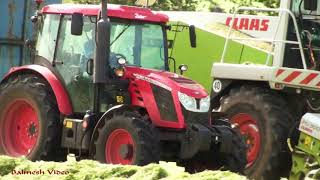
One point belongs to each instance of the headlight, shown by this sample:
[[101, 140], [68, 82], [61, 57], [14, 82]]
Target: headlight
[[188, 102], [205, 104]]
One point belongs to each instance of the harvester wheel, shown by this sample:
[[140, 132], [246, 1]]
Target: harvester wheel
[[125, 139], [263, 118], [29, 119]]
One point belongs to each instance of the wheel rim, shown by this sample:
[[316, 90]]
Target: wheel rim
[[120, 147], [21, 126], [249, 129]]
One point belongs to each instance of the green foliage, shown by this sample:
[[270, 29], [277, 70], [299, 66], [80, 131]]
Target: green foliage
[[193, 5], [20, 169]]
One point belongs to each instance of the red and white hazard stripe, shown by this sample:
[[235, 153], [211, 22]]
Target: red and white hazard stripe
[[299, 77]]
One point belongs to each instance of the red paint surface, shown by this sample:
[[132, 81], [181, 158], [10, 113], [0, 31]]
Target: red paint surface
[[249, 129], [309, 78], [145, 91], [21, 126], [118, 11], [60, 93], [292, 76], [118, 138], [279, 72], [249, 24]]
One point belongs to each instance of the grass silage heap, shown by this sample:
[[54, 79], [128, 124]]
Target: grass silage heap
[[21, 168]]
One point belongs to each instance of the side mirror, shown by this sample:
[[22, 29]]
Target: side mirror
[[90, 67], [183, 68], [310, 5], [193, 36], [170, 44], [77, 24]]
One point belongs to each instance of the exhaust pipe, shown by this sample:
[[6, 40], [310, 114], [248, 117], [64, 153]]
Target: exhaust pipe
[[101, 67]]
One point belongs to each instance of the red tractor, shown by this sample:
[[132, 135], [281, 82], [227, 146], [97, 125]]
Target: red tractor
[[99, 87]]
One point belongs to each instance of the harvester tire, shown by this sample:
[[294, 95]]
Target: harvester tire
[[263, 118], [127, 139], [30, 119]]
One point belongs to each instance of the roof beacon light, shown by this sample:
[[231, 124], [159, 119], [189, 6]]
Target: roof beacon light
[[145, 3]]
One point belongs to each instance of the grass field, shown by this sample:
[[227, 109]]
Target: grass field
[[16, 168]]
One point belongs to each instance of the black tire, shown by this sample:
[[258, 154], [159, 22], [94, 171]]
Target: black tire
[[142, 132], [273, 121], [234, 161], [37, 92]]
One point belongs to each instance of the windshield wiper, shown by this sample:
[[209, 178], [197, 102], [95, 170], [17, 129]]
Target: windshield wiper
[[119, 35]]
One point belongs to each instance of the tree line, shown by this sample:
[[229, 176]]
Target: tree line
[[193, 5]]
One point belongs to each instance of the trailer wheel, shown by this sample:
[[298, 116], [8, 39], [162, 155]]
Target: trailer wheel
[[29, 119], [263, 118], [127, 140]]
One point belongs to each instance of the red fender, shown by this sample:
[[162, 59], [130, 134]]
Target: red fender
[[61, 94]]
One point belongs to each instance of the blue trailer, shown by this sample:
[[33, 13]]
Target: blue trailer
[[15, 29]]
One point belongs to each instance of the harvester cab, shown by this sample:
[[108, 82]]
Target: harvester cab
[[267, 100], [99, 88]]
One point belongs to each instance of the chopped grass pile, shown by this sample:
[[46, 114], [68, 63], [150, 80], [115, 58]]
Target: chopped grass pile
[[21, 168]]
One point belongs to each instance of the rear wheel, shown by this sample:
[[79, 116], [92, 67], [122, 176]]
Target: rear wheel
[[263, 118], [127, 140], [29, 119]]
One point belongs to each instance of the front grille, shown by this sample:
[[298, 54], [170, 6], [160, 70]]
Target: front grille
[[195, 117], [165, 104]]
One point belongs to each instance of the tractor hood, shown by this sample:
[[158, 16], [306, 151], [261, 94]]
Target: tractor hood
[[167, 80]]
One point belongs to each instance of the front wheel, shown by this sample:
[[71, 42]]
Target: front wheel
[[127, 140], [263, 118], [234, 161]]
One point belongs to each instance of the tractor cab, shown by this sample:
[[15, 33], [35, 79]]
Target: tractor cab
[[137, 36]]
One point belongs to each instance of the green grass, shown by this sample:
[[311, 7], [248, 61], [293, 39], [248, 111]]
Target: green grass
[[88, 169]]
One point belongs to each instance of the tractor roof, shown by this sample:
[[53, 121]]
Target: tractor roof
[[118, 11]]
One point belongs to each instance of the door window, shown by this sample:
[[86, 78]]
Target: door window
[[47, 36], [73, 53]]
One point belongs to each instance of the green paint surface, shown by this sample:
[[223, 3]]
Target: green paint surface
[[304, 154]]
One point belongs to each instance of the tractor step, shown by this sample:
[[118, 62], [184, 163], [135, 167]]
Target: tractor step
[[74, 135]]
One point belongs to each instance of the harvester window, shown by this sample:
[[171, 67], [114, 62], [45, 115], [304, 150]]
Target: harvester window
[[295, 8]]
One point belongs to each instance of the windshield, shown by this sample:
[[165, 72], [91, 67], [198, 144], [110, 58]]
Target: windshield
[[295, 9], [140, 44]]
